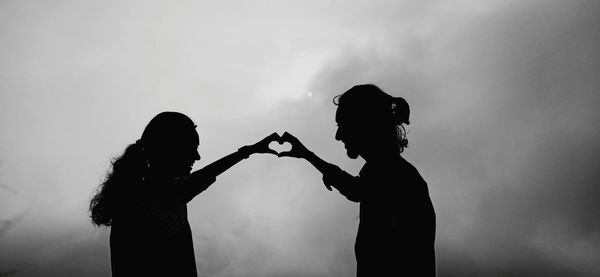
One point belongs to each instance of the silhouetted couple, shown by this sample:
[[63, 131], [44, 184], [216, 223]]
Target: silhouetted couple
[[144, 197]]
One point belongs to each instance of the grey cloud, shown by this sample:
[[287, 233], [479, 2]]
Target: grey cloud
[[504, 105]]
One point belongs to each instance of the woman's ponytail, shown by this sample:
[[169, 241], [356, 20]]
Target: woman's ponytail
[[127, 171]]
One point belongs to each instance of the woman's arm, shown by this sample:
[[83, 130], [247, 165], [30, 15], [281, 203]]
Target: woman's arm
[[201, 179], [333, 176]]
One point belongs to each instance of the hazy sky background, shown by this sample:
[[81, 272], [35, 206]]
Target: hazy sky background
[[504, 98]]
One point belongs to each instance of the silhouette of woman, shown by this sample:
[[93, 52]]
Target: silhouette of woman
[[144, 197], [396, 232]]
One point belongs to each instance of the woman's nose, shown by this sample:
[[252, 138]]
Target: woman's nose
[[197, 156]]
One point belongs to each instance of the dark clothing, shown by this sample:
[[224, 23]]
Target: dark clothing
[[150, 234], [396, 233]]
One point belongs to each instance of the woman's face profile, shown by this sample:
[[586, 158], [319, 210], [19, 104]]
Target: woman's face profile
[[177, 157], [187, 155]]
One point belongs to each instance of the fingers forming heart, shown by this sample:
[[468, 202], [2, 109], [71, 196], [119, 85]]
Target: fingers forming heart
[[280, 139], [280, 146]]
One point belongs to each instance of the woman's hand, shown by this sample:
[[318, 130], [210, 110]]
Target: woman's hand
[[298, 149], [263, 145]]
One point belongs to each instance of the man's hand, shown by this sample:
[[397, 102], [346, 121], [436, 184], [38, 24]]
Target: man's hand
[[298, 149]]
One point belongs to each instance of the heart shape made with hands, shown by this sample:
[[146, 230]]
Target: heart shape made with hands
[[280, 146]]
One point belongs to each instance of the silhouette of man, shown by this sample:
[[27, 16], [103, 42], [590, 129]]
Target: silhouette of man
[[396, 233]]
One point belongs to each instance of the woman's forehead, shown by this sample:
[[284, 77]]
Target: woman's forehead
[[195, 139], [188, 137]]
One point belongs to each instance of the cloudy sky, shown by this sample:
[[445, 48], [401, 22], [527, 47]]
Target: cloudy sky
[[503, 95]]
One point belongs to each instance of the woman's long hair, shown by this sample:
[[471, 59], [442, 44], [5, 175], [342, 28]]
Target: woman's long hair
[[129, 170], [370, 104]]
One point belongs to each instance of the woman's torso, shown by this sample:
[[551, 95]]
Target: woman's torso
[[151, 235]]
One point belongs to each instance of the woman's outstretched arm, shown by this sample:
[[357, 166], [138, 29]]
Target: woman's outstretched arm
[[333, 176], [201, 179]]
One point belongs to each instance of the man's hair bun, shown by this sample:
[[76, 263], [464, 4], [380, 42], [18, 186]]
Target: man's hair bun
[[400, 111]]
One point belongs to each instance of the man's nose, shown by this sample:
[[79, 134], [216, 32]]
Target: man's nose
[[338, 134], [197, 156]]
